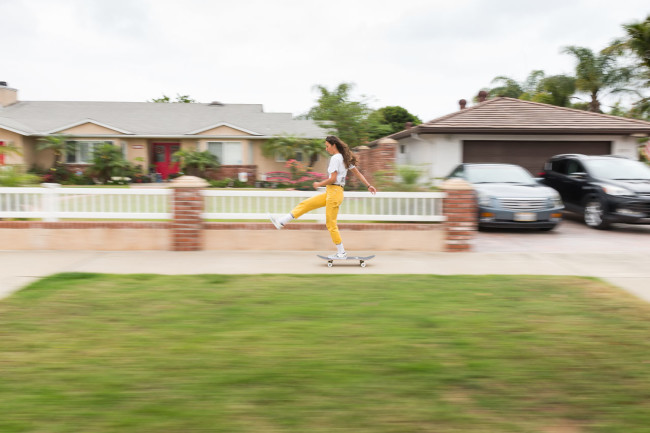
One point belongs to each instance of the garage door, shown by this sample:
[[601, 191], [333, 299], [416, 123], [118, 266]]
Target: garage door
[[529, 154]]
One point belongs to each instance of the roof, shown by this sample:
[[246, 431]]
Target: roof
[[152, 119], [508, 115]]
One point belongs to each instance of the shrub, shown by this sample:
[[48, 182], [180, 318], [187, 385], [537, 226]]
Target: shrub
[[196, 163], [16, 176]]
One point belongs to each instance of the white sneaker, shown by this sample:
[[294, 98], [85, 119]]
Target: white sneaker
[[338, 256], [276, 222]]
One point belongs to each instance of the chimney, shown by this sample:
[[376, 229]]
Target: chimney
[[462, 104], [8, 95], [408, 125], [482, 96]]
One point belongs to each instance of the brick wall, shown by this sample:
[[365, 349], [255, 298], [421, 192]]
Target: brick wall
[[377, 158], [187, 231], [232, 172], [460, 209]]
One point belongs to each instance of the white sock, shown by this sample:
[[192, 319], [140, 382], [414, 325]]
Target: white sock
[[285, 219], [339, 248]]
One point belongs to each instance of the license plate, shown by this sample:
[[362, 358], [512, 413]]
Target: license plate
[[525, 216]]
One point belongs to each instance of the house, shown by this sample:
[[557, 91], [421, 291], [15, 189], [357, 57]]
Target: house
[[514, 131], [149, 133]]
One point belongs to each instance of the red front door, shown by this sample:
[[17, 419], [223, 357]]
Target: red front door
[[2, 155], [162, 157]]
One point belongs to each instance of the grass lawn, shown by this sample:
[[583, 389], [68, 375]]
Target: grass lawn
[[364, 353]]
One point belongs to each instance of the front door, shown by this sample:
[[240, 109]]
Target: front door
[[2, 155], [162, 157]]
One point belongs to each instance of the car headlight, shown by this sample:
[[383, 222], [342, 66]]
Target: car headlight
[[615, 190], [556, 200], [483, 199]]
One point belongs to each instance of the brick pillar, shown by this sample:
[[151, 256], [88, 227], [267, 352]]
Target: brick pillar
[[460, 209], [187, 224], [381, 157]]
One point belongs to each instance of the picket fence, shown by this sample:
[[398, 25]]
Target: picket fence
[[53, 203]]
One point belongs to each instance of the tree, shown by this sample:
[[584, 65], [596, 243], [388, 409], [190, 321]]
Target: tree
[[637, 44], [554, 89], [108, 161], [58, 144], [181, 99], [389, 120], [10, 148], [288, 146], [195, 163], [596, 74], [339, 113]]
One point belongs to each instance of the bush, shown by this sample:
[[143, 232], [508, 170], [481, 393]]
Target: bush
[[228, 183], [196, 163], [12, 176]]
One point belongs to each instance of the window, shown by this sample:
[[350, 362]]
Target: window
[[298, 157], [228, 152], [81, 152]]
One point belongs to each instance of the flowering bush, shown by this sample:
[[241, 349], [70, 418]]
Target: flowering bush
[[298, 177]]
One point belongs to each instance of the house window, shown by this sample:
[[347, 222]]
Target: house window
[[228, 152], [298, 157], [81, 152]]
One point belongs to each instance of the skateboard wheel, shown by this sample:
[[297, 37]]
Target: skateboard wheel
[[329, 264], [363, 264]]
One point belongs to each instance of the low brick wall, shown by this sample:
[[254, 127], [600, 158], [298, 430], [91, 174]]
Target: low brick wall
[[232, 172], [299, 236], [85, 235], [188, 232]]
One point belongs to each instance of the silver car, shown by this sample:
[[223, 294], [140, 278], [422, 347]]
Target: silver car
[[508, 196]]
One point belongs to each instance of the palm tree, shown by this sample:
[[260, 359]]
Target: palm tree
[[196, 163], [287, 146], [554, 89], [597, 73], [58, 144], [509, 87], [637, 43], [10, 148]]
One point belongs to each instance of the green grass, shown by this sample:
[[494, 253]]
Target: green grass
[[282, 353]]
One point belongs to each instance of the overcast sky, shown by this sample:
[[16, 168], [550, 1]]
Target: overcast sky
[[423, 55]]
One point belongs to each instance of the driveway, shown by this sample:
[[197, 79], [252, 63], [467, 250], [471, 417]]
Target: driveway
[[571, 236]]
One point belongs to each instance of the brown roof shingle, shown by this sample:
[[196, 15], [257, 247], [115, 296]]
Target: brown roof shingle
[[509, 115]]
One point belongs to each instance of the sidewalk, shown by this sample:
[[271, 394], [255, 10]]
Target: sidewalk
[[628, 271]]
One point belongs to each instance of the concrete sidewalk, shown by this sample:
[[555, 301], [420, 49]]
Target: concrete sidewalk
[[628, 271]]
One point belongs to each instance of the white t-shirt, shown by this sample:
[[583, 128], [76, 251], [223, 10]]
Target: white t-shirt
[[337, 165]]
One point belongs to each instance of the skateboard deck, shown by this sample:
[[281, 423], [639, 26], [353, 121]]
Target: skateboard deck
[[362, 259]]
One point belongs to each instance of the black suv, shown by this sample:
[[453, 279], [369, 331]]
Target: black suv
[[605, 189]]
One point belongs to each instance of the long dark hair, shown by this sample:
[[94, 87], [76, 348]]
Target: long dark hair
[[348, 158]]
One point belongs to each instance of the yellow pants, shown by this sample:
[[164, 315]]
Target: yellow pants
[[331, 199]]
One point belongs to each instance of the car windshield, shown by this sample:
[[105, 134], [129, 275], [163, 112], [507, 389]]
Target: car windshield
[[497, 174], [618, 169]]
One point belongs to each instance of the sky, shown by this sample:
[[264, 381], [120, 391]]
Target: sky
[[423, 55]]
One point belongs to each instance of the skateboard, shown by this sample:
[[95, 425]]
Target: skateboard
[[362, 260]]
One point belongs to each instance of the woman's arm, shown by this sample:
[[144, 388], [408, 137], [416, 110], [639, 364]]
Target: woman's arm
[[329, 181], [362, 178]]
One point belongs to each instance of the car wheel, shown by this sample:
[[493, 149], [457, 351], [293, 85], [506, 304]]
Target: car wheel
[[594, 215]]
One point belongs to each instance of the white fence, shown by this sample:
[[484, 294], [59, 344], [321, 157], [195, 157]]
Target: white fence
[[54, 203], [357, 206]]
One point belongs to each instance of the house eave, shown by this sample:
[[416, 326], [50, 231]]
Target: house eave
[[520, 131], [167, 137]]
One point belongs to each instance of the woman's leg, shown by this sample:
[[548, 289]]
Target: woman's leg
[[333, 202], [308, 205]]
